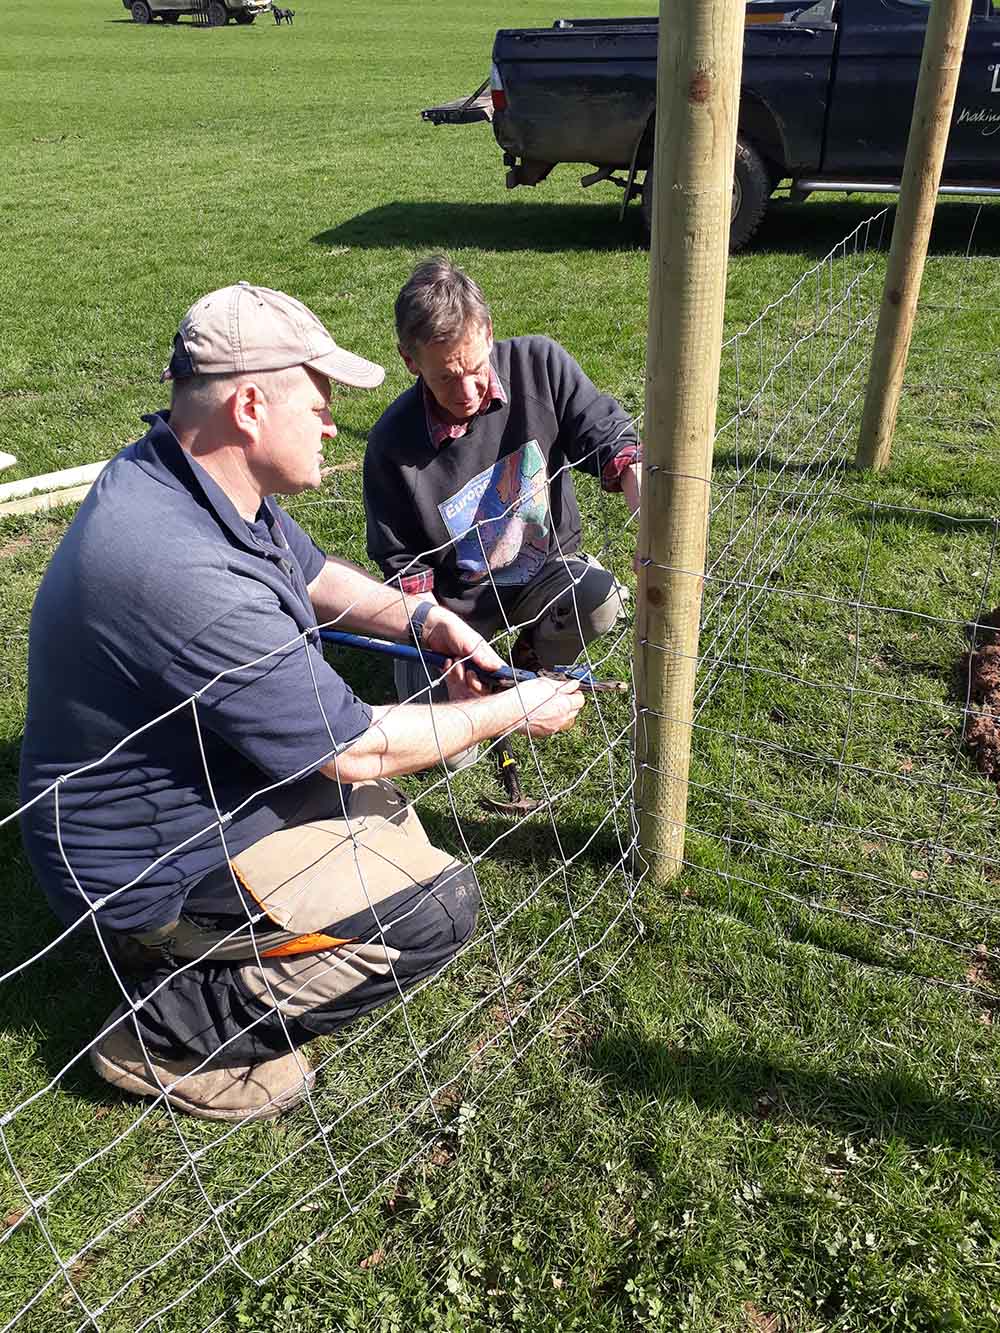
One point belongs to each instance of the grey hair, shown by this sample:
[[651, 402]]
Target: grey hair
[[437, 304]]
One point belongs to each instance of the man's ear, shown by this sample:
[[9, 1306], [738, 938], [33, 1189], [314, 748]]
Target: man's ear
[[247, 407], [408, 361]]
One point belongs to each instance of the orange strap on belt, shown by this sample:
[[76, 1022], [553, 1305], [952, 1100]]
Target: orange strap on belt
[[309, 943], [304, 944]]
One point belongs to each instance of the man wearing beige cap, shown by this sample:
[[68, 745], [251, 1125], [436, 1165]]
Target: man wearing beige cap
[[200, 788]]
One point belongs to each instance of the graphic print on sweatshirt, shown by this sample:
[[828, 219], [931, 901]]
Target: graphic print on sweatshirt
[[500, 520]]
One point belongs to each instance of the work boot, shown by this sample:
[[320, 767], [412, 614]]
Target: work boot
[[216, 1092]]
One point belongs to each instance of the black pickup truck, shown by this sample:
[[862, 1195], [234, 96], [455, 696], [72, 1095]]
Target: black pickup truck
[[826, 100]]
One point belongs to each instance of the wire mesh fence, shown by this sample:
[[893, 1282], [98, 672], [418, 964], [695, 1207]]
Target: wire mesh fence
[[957, 308], [791, 387], [831, 791], [834, 786]]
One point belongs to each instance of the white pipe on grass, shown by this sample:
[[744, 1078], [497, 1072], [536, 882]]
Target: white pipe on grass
[[50, 481]]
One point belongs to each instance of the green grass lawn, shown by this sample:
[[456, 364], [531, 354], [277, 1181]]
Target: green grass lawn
[[769, 1115]]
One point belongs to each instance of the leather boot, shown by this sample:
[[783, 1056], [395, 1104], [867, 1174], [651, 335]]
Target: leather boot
[[216, 1092]]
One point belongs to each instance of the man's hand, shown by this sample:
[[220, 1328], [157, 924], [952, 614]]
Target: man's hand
[[406, 739], [549, 705], [631, 480], [448, 634]]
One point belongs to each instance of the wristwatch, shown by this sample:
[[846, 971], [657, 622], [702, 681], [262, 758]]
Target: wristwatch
[[418, 618]]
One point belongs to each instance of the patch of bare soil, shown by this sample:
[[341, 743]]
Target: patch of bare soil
[[978, 679], [43, 534]]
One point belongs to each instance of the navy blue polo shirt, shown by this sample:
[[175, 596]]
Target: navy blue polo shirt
[[174, 672]]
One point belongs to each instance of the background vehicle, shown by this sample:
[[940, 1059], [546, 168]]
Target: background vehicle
[[826, 100], [214, 13]]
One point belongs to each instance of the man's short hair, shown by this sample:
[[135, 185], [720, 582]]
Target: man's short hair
[[437, 304], [196, 394]]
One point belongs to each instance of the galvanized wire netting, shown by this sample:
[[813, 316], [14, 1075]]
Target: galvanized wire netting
[[840, 710], [791, 390], [126, 1215], [834, 790]]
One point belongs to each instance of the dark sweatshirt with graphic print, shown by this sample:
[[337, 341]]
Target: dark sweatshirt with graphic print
[[475, 519]]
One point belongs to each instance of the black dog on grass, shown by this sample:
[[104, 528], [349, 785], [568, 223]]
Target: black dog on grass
[[282, 15]]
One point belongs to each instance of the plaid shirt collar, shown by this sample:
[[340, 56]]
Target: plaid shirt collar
[[440, 430]]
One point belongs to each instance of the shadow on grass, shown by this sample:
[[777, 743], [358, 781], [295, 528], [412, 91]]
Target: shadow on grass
[[28, 925], [525, 841], [811, 229], [370, 675], [892, 1103], [56, 994], [10, 756], [181, 25], [867, 508], [500, 226], [883, 515], [771, 463], [814, 228]]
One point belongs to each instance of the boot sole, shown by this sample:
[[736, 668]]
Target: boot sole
[[126, 1080]]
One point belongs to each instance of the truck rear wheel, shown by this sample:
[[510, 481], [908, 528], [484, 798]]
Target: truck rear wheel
[[751, 191], [218, 14], [141, 13]]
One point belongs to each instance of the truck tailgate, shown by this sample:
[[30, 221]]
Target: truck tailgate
[[464, 110]]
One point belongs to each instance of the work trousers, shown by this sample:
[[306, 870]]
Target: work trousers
[[569, 603], [352, 912]]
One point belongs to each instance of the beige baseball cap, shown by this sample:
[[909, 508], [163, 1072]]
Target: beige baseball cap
[[244, 327]]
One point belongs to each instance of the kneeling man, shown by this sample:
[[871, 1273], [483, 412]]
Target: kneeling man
[[468, 476], [200, 788]]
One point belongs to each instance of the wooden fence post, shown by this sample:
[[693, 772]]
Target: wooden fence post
[[940, 66], [697, 101]]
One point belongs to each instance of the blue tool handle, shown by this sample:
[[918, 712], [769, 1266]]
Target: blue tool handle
[[503, 675], [408, 653]]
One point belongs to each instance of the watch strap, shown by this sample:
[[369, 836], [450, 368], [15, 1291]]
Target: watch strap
[[418, 619]]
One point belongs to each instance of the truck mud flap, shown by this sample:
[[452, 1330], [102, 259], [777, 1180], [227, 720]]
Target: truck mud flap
[[526, 172]]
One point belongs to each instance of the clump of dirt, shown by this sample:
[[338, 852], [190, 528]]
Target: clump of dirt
[[978, 679], [39, 534]]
